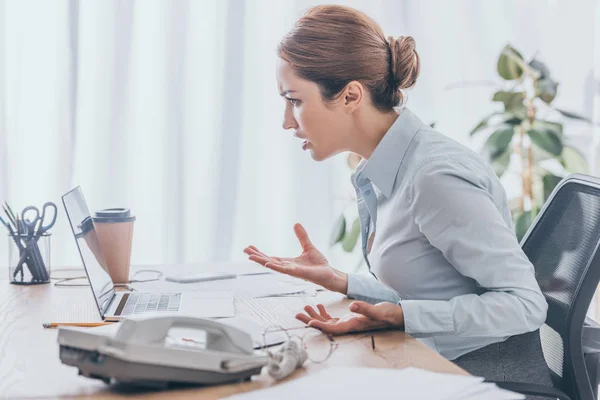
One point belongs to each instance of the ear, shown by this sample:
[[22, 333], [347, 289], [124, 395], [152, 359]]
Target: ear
[[353, 96]]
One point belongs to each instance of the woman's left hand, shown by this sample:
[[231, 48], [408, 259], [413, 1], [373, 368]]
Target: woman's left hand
[[364, 317]]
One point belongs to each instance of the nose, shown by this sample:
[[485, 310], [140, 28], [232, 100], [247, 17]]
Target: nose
[[289, 122]]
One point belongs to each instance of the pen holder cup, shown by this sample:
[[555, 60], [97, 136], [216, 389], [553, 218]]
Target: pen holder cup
[[29, 259]]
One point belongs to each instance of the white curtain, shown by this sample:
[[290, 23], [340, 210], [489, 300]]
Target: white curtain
[[171, 108]]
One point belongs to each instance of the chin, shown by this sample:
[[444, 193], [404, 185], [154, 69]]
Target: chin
[[318, 156]]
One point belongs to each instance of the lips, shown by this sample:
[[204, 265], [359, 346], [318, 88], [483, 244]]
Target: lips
[[305, 144]]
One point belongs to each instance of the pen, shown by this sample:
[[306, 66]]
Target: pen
[[82, 324], [10, 210], [373, 342], [10, 218]]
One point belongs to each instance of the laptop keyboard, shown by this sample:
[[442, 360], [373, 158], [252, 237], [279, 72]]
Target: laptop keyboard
[[138, 303]]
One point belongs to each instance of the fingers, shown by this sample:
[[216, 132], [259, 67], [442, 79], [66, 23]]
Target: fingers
[[368, 310], [322, 315], [315, 315], [285, 268], [302, 236], [323, 311], [260, 260], [252, 250], [303, 317], [337, 327]]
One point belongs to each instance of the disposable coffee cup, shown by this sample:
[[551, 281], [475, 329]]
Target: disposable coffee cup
[[114, 227], [88, 233]]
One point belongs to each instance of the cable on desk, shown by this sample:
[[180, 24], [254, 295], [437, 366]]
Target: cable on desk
[[62, 282]]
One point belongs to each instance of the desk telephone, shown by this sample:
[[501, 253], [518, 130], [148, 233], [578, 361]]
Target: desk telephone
[[136, 351]]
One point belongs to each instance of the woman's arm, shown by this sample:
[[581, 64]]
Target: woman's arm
[[454, 210]]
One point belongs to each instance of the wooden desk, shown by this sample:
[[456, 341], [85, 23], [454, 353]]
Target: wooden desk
[[30, 365]]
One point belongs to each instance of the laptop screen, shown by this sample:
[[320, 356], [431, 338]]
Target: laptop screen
[[89, 248]]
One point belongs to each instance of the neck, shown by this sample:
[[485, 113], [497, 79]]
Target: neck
[[371, 128]]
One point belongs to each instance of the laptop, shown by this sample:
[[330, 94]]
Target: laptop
[[114, 305]]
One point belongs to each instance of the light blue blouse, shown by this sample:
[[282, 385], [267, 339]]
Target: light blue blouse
[[444, 246]]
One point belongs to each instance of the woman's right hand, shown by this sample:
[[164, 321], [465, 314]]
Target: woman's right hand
[[310, 265]]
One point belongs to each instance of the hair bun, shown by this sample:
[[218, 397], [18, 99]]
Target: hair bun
[[404, 61]]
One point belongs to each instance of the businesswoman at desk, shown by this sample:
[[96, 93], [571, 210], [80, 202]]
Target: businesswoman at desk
[[436, 230]]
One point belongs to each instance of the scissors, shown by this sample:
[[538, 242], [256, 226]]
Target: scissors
[[36, 226]]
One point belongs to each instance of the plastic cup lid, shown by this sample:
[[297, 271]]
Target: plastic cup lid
[[114, 215]]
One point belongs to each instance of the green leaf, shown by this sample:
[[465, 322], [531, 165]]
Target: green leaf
[[508, 68], [546, 140], [351, 238], [483, 124], [500, 163], [511, 119], [523, 221], [511, 100], [542, 125], [550, 182], [540, 155], [540, 67], [518, 111], [498, 142], [545, 89], [574, 161], [339, 230], [572, 115]]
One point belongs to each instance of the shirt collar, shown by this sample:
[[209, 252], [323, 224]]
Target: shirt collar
[[382, 167]]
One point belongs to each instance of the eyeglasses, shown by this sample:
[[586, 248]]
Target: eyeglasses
[[315, 352], [311, 340]]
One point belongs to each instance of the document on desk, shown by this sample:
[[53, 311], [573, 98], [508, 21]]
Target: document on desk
[[368, 383], [243, 286]]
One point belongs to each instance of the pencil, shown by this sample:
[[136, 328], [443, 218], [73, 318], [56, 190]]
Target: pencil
[[82, 324]]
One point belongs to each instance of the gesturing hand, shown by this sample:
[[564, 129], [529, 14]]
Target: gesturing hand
[[311, 264], [364, 317]]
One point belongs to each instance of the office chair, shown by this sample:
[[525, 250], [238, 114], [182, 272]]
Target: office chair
[[562, 244]]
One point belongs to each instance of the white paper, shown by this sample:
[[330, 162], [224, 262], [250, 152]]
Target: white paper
[[256, 331], [232, 267], [487, 391], [373, 383], [207, 304], [269, 312], [244, 286]]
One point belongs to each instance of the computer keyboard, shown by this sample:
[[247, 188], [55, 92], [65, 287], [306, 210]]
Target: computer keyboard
[[138, 303]]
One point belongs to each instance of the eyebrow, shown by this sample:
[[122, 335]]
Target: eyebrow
[[286, 92]]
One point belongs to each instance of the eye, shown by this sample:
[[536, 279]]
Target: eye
[[293, 102]]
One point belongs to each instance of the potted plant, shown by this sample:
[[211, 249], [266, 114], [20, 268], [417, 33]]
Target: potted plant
[[525, 128]]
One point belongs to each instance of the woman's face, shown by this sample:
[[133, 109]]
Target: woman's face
[[324, 128]]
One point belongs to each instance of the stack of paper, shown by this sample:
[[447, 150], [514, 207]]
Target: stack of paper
[[379, 383]]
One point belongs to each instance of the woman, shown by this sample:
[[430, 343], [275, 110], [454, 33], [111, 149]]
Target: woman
[[447, 266]]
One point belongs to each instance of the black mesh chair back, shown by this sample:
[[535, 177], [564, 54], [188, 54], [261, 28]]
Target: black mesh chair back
[[562, 244]]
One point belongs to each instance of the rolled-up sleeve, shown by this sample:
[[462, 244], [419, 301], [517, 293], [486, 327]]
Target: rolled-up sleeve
[[456, 213], [370, 290]]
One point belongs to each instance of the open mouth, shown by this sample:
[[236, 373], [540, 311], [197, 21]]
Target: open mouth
[[305, 143]]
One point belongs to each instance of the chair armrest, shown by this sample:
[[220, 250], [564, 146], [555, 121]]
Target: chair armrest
[[532, 389]]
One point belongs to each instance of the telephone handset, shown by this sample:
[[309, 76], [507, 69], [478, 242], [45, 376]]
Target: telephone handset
[[154, 330]]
